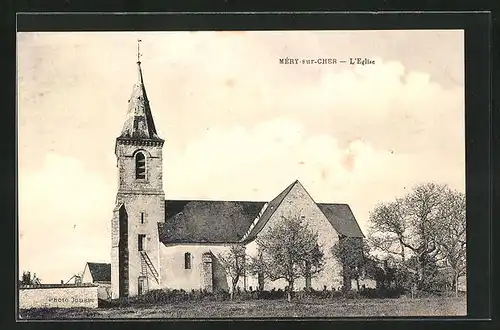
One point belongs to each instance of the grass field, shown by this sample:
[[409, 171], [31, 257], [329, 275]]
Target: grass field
[[267, 308]]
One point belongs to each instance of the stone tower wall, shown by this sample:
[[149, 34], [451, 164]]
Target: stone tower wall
[[144, 202]]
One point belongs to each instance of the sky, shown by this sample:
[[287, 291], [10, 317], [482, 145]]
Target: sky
[[238, 125]]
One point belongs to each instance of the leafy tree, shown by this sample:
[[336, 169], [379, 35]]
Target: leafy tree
[[233, 261], [290, 251], [350, 252]]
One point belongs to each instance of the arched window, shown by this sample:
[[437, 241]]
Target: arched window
[[187, 260], [140, 166]]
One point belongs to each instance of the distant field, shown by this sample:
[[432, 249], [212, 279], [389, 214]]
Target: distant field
[[267, 308]]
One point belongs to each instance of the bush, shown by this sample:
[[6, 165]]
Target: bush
[[219, 295], [273, 294], [370, 293], [318, 294], [382, 293], [167, 296], [161, 296], [245, 295], [351, 294]]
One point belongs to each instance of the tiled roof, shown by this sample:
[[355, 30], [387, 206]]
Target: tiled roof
[[198, 221], [139, 123], [342, 219], [339, 215], [101, 272]]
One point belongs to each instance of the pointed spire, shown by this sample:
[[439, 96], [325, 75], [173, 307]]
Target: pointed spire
[[139, 123]]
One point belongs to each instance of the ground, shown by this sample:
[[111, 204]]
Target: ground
[[268, 308]]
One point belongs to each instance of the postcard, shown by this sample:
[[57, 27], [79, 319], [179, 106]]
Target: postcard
[[241, 174]]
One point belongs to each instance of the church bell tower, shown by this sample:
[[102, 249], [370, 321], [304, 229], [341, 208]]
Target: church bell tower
[[140, 201]]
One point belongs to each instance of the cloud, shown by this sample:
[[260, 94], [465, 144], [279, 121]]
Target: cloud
[[257, 164], [395, 129], [355, 134], [59, 223], [387, 103]]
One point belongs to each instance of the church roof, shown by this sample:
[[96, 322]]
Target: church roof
[[339, 215], [101, 272], [271, 208], [139, 123], [198, 221], [342, 219]]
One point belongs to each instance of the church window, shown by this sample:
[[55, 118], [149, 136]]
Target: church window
[[141, 240], [187, 260], [142, 217], [140, 166]]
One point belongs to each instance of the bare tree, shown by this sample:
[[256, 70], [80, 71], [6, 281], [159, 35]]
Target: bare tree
[[389, 229], [257, 266], [233, 261], [290, 251], [451, 235], [409, 226]]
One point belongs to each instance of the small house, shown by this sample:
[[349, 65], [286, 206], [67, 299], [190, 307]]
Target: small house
[[100, 274]]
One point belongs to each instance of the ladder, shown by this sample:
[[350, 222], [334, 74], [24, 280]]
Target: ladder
[[144, 275], [145, 264]]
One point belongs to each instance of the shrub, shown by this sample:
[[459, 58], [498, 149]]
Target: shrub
[[350, 294], [167, 296], [395, 292], [245, 295]]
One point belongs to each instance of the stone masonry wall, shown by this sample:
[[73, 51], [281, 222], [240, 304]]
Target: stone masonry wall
[[104, 291], [207, 272], [175, 276], [115, 253], [298, 202], [153, 208], [58, 296], [126, 169], [139, 197]]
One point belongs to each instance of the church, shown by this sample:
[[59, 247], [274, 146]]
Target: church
[[160, 243]]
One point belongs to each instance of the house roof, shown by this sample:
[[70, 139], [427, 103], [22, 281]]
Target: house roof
[[199, 221], [139, 123], [101, 272]]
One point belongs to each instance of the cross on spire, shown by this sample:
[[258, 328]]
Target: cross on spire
[[138, 51]]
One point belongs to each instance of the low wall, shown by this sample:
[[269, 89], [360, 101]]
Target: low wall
[[104, 291], [58, 295]]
